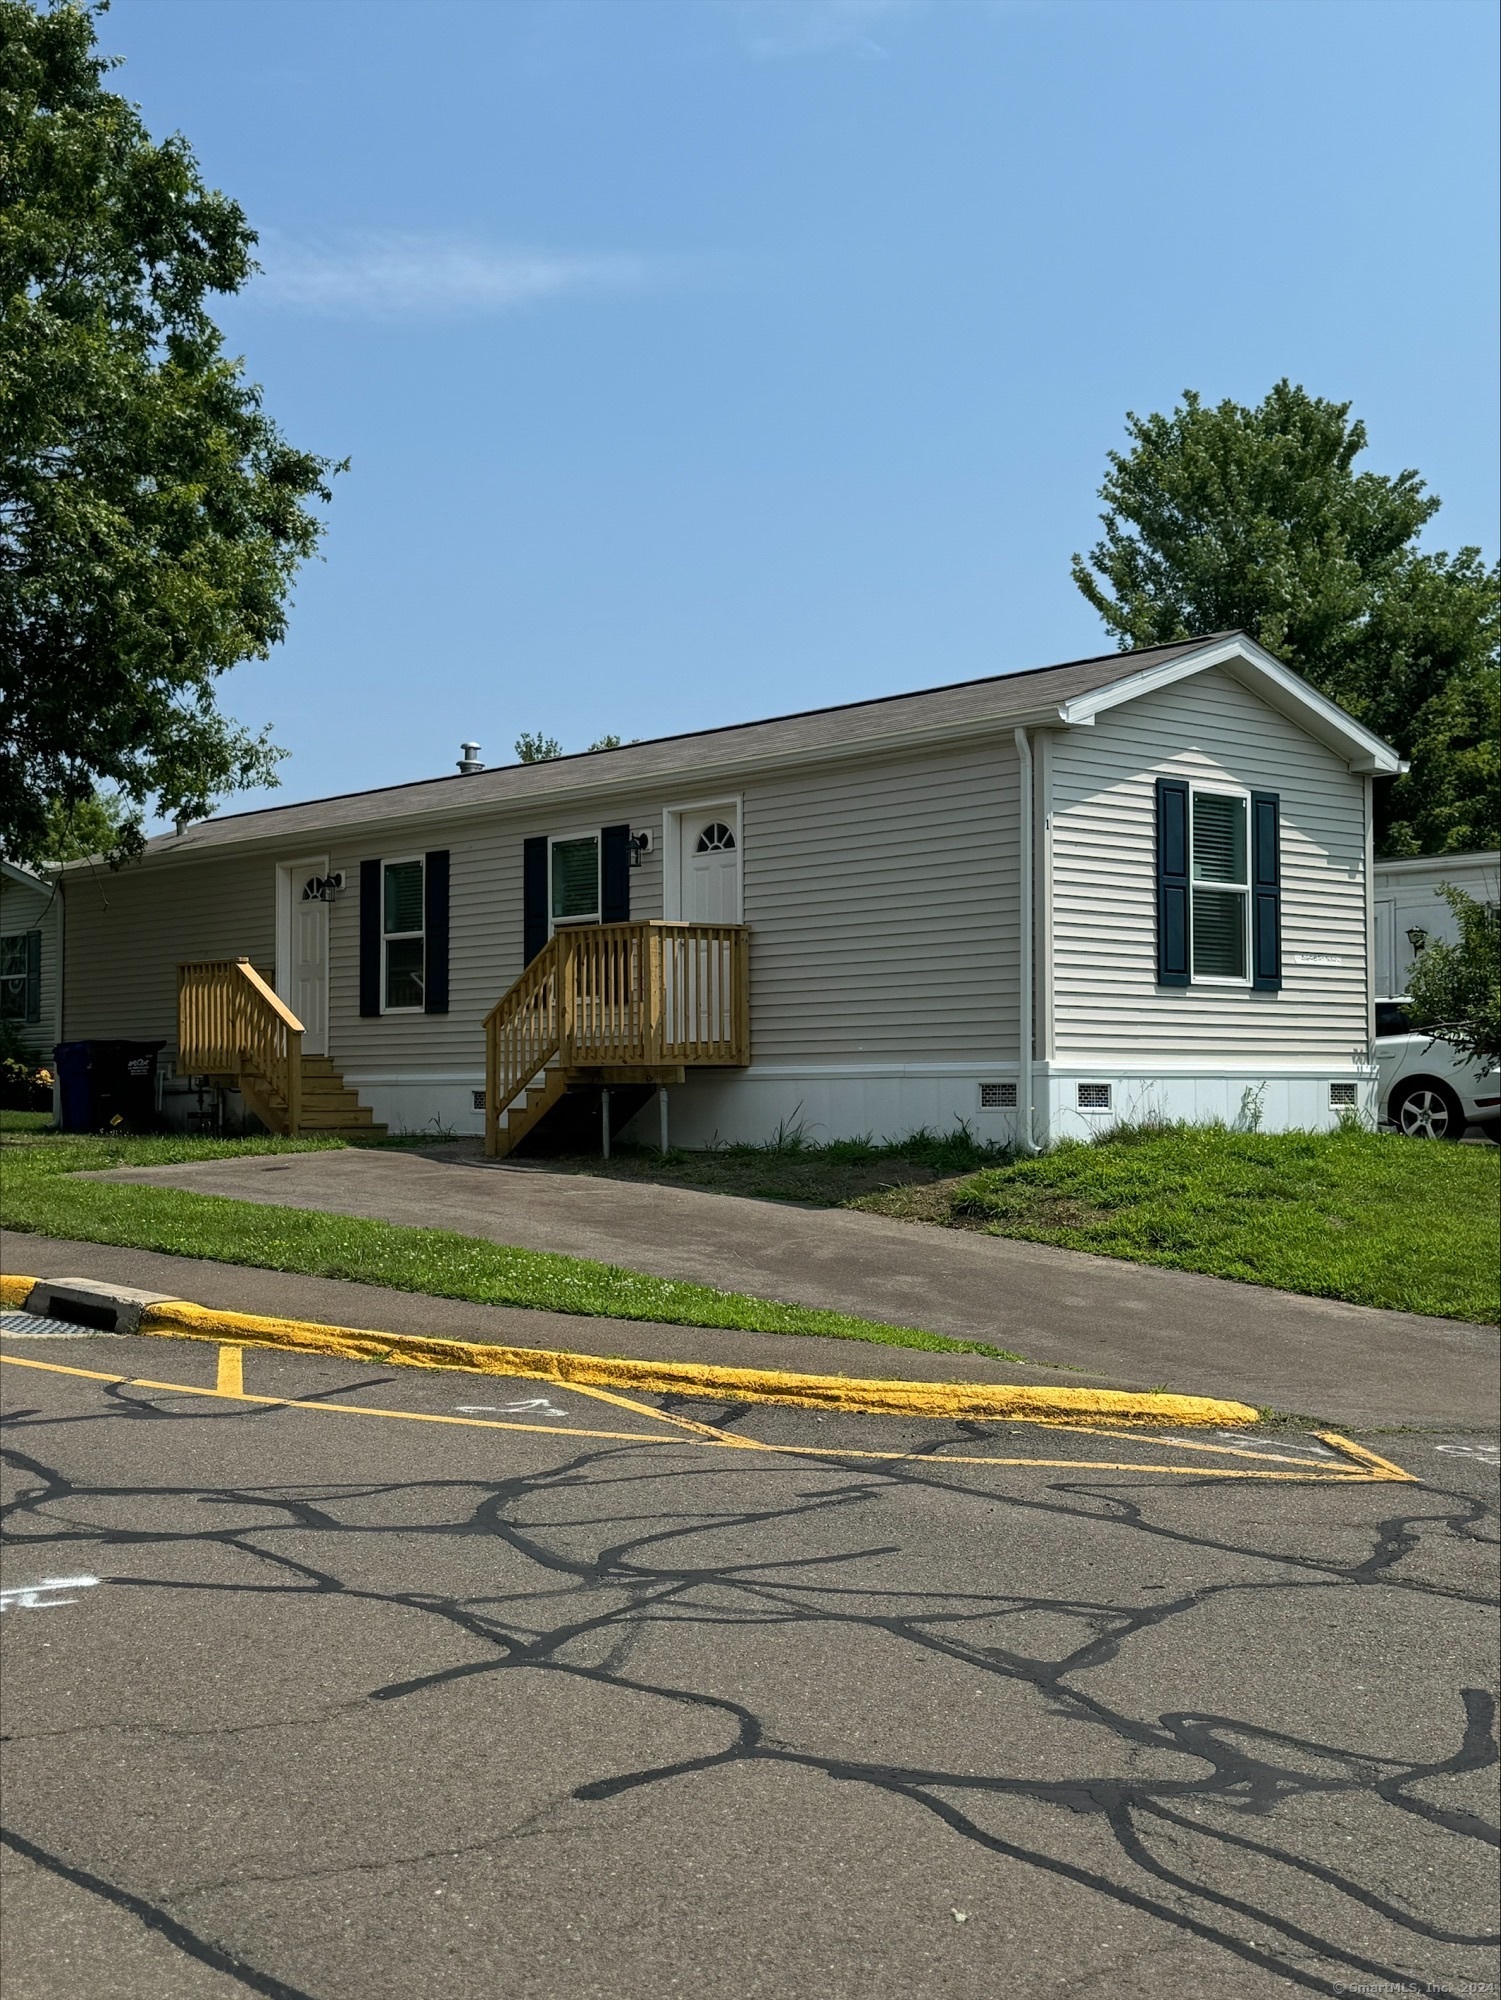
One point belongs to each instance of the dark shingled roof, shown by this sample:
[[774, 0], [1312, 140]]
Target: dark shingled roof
[[854, 725]]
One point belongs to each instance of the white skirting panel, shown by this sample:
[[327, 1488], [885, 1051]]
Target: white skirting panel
[[843, 1102], [439, 1103], [892, 1100]]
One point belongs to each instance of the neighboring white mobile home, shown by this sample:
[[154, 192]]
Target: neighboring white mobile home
[[1410, 913], [1127, 886]]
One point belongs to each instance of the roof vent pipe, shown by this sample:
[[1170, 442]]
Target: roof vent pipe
[[469, 759]]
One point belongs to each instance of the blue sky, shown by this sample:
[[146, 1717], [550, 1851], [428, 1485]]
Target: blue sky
[[702, 360]]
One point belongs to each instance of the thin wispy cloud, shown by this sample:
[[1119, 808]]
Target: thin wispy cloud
[[773, 28], [383, 275]]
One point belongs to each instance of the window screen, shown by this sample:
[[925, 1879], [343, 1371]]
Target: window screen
[[1219, 912], [575, 878], [405, 945]]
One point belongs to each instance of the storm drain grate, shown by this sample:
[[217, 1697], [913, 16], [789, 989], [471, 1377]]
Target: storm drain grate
[[32, 1326]]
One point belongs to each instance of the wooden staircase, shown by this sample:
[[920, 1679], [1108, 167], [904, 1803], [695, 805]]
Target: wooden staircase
[[611, 1006], [529, 1107], [328, 1105], [233, 1028]]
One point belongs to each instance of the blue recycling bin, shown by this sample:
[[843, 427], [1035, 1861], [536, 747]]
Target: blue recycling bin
[[75, 1085]]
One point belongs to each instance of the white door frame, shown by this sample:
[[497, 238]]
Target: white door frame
[[287, 876], [672, 850]]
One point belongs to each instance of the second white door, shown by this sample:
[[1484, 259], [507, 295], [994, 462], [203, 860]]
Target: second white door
[[710, 837]]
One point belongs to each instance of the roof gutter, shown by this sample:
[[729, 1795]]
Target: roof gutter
[[1025, 1119]]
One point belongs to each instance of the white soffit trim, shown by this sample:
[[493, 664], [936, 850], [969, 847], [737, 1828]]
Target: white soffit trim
[[1276, 684]]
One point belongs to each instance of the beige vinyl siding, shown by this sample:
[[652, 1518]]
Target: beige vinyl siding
[[28, 907], [485, 930], [1103, 841], [882, 900], [880, 892], [127, 933]]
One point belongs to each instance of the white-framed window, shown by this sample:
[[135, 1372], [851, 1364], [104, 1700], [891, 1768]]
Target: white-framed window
[[1220, 862], [13, 972], [573, 878], [404, 936]]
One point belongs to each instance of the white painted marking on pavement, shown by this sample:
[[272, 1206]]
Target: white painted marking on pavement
[[539, 1404], [1488, 1454], [43, 1596]]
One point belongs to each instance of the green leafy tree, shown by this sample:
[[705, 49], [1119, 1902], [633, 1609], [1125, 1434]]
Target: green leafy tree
[[77, 828], [606, 742], [1257, 520], [537, 749], [1456, 988], [152, 516]]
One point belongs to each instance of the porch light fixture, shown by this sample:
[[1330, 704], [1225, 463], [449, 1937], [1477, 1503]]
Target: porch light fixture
[[323, 888], [640, 844], [1418, 939]]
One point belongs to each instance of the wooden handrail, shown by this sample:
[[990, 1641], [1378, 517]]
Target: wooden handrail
[[231, 1023], [620, 996]]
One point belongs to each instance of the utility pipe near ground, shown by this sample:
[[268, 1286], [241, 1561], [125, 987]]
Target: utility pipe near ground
[[1024, 1113]]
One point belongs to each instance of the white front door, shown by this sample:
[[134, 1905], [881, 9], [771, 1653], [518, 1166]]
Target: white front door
[[710, 837], [302, 949]]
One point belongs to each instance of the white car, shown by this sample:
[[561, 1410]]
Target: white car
[[1427, 1090]]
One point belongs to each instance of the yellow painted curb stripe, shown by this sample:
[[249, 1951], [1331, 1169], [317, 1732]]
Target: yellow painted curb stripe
[[689, 1378], [178, 1318], [1369, 1470]]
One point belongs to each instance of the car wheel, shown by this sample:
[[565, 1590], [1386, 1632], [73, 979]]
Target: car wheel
[[1427, 1110]]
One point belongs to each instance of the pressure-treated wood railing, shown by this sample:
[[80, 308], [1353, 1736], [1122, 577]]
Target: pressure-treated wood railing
[[620, 997], [230, 1023]]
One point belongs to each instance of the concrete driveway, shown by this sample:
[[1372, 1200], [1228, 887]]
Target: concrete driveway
[[1127, 1324]]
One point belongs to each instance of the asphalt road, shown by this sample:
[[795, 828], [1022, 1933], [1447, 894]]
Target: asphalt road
[[1133, 1325], [354, 1707]]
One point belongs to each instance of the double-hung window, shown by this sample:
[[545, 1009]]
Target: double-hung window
[[404, 940], [1221, 888], [14, 964], [575, 879]]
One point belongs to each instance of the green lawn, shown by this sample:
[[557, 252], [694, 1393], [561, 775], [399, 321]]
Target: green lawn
[[1353, 1215], [40, 1191]]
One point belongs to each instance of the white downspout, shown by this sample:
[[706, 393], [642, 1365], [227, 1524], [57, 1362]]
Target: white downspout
[[1026, 1119]]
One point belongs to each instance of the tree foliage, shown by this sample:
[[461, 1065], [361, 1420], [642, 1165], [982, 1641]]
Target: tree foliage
[[1456, 988], [152, 516], [1257, 520], [537, 749], [78, 828]]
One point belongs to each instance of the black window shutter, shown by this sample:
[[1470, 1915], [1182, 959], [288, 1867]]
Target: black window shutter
[[1266, 892], [1172, 882], [370, 937], [533, 897], [435, 924], [33, 977], [615, 874]]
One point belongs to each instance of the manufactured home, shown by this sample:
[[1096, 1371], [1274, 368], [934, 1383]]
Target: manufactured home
[[1411, 914], [1130, 886]]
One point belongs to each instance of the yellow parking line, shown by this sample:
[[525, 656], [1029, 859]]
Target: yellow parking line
[[1370, 1469]]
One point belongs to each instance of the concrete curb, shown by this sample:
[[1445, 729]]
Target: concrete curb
[[181, 1320]]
